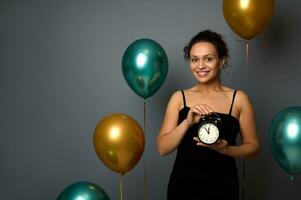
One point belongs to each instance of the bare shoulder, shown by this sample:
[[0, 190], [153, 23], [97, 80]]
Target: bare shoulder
[[176, 96], [242, 99], [175, 100], [242, 95]]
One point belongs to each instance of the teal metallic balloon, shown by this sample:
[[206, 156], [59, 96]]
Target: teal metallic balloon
[[285, 139], [144, 67], [83, 191]]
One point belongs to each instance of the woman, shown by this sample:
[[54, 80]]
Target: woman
[[207, 171]]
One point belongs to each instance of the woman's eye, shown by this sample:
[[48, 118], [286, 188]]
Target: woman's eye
[[209, 59], [193, 60]]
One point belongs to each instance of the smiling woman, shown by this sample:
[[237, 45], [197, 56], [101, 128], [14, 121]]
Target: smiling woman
[[205, 170]]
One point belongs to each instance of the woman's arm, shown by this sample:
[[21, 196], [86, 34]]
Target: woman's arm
[[249, 147], [170, 134]]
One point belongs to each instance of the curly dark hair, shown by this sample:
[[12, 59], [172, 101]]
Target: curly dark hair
[[211, 37]]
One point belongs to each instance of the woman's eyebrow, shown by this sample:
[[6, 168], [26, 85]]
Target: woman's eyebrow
[[203, 56]]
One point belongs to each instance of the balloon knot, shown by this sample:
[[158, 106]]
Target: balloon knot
[[240, 40]]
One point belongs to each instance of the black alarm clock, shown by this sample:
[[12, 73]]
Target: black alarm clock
[[208, 129]]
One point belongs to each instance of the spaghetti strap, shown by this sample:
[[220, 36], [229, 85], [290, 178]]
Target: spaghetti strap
[[230, 111], [184, 101]]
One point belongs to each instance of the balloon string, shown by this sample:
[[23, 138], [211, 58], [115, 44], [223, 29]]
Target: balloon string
[[247, 51], [243, 190], [145, 155], [291, 178], [121, 190]]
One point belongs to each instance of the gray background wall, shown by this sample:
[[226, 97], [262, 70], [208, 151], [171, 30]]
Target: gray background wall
[[60, 73]]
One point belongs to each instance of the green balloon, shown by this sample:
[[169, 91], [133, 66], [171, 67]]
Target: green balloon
[[83, 191], [285, 139], [144, 67]]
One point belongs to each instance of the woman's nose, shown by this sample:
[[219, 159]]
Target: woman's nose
[[201, 65]]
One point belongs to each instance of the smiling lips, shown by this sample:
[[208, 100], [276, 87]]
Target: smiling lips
[[202, 73]]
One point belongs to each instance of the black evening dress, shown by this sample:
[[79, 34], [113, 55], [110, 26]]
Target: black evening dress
[[200, 173]]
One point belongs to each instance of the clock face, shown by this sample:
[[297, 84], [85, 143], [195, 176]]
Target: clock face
[[208, 133]]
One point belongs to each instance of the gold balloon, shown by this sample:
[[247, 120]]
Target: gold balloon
[[247, 18], [119, 142]]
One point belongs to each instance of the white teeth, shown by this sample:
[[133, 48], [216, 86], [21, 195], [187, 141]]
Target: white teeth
[[202, 73]]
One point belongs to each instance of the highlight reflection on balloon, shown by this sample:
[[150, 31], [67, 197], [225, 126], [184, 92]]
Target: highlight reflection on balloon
[[285, 139], [83, 191], [119, 142], [144, 67], [247, 18]]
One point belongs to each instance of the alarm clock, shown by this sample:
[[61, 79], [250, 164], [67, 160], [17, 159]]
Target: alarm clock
[[208, 129]]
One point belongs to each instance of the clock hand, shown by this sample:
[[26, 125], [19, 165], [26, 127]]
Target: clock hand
[[208, 129]]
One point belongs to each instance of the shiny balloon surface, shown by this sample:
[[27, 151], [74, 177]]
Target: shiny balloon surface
[[119, 142], [144, 67], [285, 139], [247, 18], [83, 191]]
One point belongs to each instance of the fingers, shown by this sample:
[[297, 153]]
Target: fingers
[[220, 146], [196, 139], [199, 143], [201, 109], [198, 111]]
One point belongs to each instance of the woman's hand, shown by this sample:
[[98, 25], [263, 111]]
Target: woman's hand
[[196, 112], [220, 146]]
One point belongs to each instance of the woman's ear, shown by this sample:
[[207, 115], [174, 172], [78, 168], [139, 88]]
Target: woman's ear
[[222, 63]]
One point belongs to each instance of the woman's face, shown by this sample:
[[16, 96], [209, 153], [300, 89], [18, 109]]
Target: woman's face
[[204, 62]]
